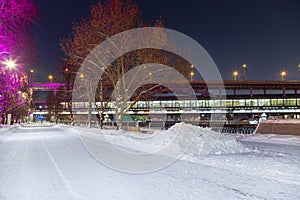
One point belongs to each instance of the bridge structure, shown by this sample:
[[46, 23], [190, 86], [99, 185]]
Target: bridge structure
[[47, 87], [40, 93], [243, 99]]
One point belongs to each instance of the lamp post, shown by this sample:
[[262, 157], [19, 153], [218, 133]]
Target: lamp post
[[283, 74], [50, 77], [192, 72], [192, 76], [244, 70], [10, 64], [31, 76], [235, 74]]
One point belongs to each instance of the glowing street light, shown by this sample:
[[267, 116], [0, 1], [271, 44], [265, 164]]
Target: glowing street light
[[283, 74], [10, 64], [66, 70], [235, 74], [50, 77], [30, 77], [192, 75], [192, 72], [244, 70]]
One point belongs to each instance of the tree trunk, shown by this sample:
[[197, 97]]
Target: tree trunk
[[119, 116], [90, 114]]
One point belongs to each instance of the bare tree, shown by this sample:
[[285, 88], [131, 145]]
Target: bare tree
[[107, 19]]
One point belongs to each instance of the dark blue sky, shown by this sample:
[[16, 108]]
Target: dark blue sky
[[264, 34]]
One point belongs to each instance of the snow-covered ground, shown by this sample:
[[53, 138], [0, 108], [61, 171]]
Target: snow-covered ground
[[184, 162]]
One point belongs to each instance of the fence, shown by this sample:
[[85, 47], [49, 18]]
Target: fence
[[164, 125]]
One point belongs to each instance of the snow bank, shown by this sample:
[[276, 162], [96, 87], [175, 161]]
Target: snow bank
[[7, 128], [280, 126], [180, 140], [272, 138], [205, 141], [37, 124]]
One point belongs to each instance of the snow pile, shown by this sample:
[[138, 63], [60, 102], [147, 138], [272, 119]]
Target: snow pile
[[205, 141], [272, 138], [6, 128], [180, 139], [37, 124]]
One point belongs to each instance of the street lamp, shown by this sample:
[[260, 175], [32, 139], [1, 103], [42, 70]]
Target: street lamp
[[283, 74], [50, 77], [244, 70], [235, 74], [192, 75], [31, 75], [192, 72], [10, 64]]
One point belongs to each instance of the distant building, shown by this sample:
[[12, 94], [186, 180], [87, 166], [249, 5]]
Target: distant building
[[244, 100]]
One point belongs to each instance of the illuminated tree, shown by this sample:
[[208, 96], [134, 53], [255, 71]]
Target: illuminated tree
[[107, 19], [16, 48]]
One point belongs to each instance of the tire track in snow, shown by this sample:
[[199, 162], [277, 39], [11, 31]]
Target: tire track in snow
[[64, 180]]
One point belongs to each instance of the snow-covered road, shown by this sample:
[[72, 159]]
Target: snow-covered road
[[50, 163]]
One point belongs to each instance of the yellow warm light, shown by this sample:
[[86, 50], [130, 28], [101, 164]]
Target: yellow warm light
[[50, 77], [192, 73], [66, 70], [81, 76], [244, 66], [11, 64], [31, 71], [283, 73], [235, 73]]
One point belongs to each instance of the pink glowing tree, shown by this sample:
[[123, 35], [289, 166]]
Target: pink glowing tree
[[16, 20], [16, 52]]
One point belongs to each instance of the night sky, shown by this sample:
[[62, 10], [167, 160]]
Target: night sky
[[264, 34]]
